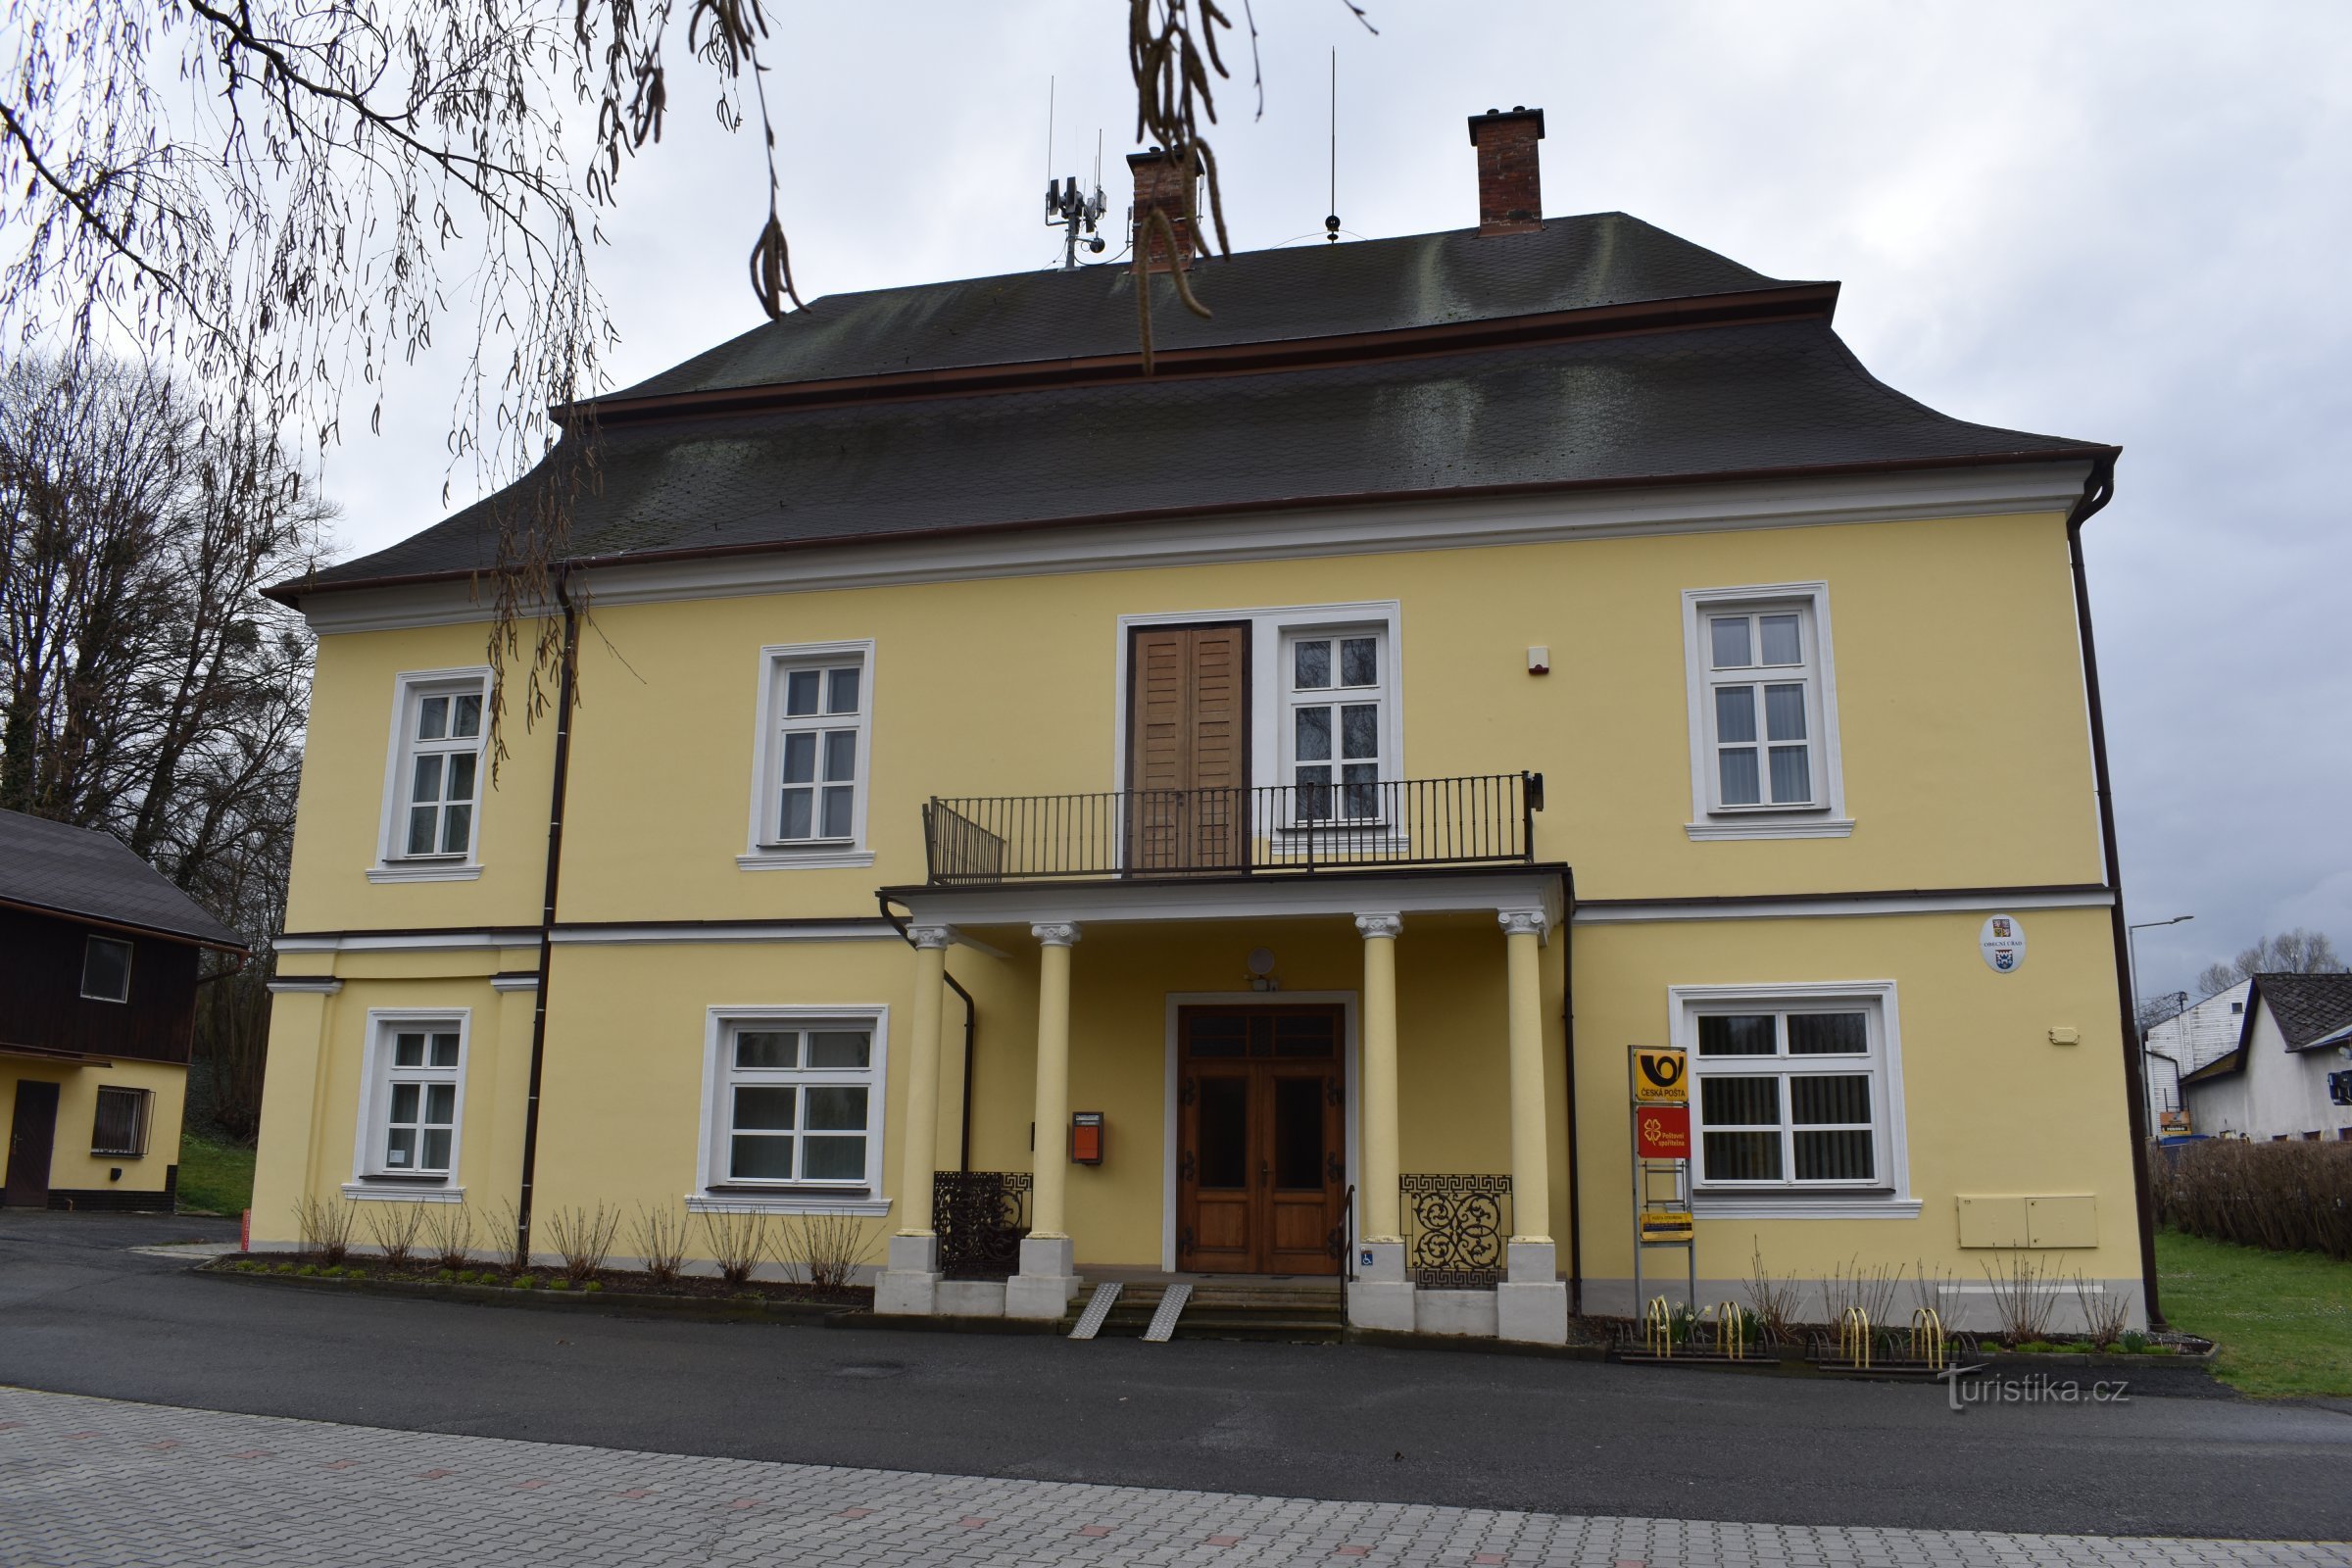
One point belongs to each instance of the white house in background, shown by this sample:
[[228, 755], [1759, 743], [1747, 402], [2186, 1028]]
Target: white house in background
[[2290, 1073], [2186, 1040]]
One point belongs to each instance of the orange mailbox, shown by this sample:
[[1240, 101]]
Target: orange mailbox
[[1086, 1137]]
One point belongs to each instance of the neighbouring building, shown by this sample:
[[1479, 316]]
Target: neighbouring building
[[99, 958], [2289, 1072], [1236, 819], [2179, 1045]]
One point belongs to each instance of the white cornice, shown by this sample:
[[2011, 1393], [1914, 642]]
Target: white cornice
[[1828, 905], [1270, 898], [1257, 536]]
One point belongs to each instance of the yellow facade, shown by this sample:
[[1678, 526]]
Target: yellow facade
[[1966, 765], [73, 1167]]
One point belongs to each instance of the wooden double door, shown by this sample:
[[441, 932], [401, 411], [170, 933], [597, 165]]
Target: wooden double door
[[1262, 1162]]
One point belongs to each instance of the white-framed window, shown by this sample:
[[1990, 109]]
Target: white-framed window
[[793, 1108], [1764, 752], [105, 969], [812, 764], [434, 777], [413, 1099], [1336, 713], [1796, 1099], [120, 1125]]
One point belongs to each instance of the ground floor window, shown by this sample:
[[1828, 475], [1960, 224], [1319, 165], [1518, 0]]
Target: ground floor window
[[415, 1088], [1795, 1090], [795, 1101], [120, 1125]]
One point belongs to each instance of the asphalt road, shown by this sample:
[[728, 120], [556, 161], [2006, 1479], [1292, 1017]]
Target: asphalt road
[[80, 1315]]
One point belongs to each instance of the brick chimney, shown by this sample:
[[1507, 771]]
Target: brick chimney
[[1510, 178], [1160, 183]]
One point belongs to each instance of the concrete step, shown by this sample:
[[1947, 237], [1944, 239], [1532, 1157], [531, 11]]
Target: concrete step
[[1304, 1312]]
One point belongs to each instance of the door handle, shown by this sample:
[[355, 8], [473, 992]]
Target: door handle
[[1265, 1173]]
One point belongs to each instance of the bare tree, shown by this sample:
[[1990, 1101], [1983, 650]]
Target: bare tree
[[148, 690], [2296, 952], [286, 198]]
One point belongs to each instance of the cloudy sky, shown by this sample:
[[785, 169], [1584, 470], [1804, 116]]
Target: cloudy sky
[[2123, 221]]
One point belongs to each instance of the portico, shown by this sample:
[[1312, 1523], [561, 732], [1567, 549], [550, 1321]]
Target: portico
[[1288, 1117]]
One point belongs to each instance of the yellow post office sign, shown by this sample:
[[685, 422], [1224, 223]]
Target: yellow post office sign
[[1668, 1225], [1660, 1077]]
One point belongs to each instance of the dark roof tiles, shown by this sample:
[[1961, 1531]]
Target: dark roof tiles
[[2307, 1007], [81, 871]]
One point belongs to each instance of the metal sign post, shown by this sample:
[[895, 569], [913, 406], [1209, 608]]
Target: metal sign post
[[1659, 1126]]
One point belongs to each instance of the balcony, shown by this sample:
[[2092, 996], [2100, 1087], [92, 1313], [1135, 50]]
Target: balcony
[[1286, 829]]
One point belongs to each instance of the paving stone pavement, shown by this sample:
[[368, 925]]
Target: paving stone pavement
[[98, 1483]]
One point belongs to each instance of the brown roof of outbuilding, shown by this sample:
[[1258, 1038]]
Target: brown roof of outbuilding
[[1597, 351]]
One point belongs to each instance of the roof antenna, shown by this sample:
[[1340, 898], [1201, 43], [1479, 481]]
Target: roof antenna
[[1331, 222], [1065, 208]]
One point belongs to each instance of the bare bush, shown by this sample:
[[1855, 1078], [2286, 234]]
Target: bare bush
[[325, 1226], [1870, 1288], [738, 1241], [2106, 1313], [512, 1246], [825, 1248], [394, 1228], [2025, 1295], [449, 1236], [2287, 1197], [1937, 1290], [1771, 1299], [584, 1237], [659, 1236]]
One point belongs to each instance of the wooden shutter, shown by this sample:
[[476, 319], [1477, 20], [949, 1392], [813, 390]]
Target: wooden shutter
[[1189, 733]]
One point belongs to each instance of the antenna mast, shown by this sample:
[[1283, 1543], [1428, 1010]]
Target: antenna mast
[[1331, 220], [1065, 208]]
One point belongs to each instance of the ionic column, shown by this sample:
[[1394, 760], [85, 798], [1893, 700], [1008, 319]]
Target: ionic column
[[910, 1284], [1531, 1151], [1382, 1220], [1532, 1302], [1048, 1274]]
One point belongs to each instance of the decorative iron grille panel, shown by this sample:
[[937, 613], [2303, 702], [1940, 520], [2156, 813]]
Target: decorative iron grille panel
[[1455, 1230], [980, 1217]]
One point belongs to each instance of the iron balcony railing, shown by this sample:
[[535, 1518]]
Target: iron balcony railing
[[1302, 828]]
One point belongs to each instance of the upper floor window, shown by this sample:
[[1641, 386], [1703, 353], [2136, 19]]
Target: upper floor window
[[106, 969], [410, 1110], [432, 795], [815, 734], [1763, 717], [1336, 723]]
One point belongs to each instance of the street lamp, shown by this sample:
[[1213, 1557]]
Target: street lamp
[[2133, 932]]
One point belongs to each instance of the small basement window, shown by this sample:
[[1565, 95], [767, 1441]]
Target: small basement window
[[120, 1125], [106, 969]]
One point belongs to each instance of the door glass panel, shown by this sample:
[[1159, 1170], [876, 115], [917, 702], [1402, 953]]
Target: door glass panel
[[1224, 1132], [1299, 1133], [1219, 1035], [1304, 1035]]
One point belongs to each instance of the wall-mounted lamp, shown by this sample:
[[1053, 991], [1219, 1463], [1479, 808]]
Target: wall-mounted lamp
[[1261, 970], [1538, 661]]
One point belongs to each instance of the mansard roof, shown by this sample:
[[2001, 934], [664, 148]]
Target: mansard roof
[[1596, 351]]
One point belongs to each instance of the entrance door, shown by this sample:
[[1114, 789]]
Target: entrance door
[[1188, 748], [1261, 1153], [32, 1137]]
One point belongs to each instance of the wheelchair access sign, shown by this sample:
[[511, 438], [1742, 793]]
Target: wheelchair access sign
[[1661, 1077]]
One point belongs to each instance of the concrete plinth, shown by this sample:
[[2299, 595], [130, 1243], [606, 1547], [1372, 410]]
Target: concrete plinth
[[1530, 1305], [1462, 1312], [908, 1287], [1047, 1280], [972, 1299], [1382, 1297]]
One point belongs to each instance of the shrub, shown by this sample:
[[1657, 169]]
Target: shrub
[[2133, 1342], [449, 1236], [825, 1248], [2025, 1292], [394, 1228], [2104, 1311], [1937, 1290], [325, 1225], [583, 1236], [659, 1236], [1772, 1299], [738, 1241], [1871, 1289], [2294, 1195], [512, 1242]]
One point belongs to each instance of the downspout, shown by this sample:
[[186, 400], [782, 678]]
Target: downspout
[[547, 916], [1576, 1211], [2097, 490], [972, 1028]]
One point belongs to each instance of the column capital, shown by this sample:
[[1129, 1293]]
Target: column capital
[[1521, 922], [1370, 927], [1056, 934], [931, 936]]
